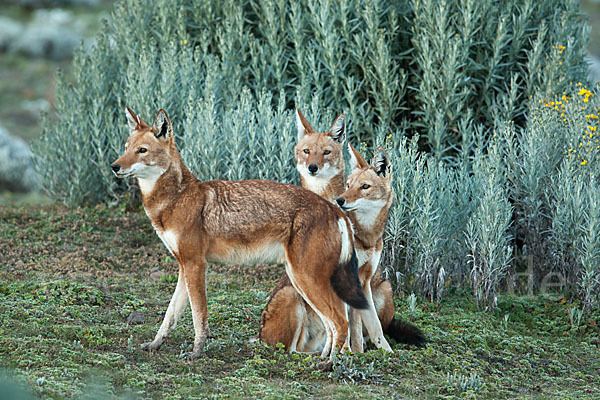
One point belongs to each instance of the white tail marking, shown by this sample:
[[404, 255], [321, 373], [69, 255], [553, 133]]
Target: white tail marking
[[346, 238]]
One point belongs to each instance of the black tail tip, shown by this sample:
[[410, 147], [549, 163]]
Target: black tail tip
[[346, 284], [403, 332], [356, 300]]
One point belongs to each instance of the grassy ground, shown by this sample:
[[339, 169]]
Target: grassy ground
[[69, 280]]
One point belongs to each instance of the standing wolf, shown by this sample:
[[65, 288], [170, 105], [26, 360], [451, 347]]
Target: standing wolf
[[240, 222], [286, 319]]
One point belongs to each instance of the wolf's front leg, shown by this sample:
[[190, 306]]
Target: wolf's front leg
[[195, 279], [372, 323], [174, 311]]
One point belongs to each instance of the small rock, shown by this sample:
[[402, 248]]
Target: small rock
[[135, 319], [9, 31], [157, 275], [35, 107], [48, 35], [54, 3], [17, 172]]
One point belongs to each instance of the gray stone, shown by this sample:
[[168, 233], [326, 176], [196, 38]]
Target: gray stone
[[53, 3], [17, 172], [157, 275], [135, 319], [10, 30], [50, 34], [35, 108]]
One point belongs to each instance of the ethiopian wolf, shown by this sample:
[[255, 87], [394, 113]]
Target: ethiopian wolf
[[240, 222], [287, 319]]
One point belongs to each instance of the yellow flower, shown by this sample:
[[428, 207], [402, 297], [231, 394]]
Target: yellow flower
[[584, 162]]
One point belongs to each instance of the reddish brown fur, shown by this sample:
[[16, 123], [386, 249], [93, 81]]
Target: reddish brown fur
[[278, 326], [324, 151], [228, 221]]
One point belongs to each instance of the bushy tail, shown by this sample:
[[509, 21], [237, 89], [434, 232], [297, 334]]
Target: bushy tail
[[346, 284], [403, 332]]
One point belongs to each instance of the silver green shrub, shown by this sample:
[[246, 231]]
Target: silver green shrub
[[523, 201], [487, 233], [448, 224], [427, 66]]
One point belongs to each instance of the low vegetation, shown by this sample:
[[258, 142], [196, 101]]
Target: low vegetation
[[71, 279]]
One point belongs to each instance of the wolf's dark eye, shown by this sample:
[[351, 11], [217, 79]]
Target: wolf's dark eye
[[326, 152], [142, 150], [365, 186], [306, 151]]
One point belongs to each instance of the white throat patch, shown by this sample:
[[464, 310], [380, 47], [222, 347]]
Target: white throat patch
[[366, 211], [319, 182], [147, 175]]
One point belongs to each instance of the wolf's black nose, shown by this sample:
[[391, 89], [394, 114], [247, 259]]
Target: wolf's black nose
[[312, 168], [115, 167], [340, 201]]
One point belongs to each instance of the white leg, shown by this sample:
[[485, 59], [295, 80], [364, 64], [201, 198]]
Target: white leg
[[329, 331], [174, 311], [371, 321]]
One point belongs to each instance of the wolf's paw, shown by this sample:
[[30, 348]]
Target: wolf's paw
[[150, 346]]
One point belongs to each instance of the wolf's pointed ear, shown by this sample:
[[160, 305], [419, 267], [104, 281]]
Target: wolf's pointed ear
[[356, 159], [162, 127], [133, 120], [338, 129], [304, 127], [381, 163]]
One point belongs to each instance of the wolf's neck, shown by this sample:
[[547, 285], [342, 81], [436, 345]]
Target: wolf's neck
[[329, 189], [165, 189], [369, 225]]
